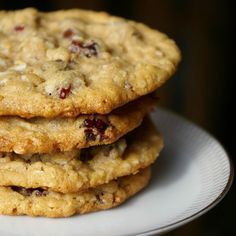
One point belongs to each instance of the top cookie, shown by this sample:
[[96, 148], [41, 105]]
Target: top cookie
[[75, 62]]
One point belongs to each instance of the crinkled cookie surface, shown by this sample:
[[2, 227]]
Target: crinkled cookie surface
[[42, 135], [82, 169], [75, 62], [37, 202]]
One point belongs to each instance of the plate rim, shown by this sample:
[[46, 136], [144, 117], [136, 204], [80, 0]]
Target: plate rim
[[176, 224]]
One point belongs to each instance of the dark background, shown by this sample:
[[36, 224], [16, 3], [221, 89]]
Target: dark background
[[203, 89]]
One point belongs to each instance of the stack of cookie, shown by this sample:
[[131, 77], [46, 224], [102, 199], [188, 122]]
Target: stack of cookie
[[74, 91]]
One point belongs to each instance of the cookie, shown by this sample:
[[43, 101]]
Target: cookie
[[75, 62], [76, 170], [40, 135], [38, 202]]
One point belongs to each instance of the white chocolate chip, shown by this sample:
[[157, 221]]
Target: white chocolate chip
[[159, 53], [77, 38], [4, 73], [19, 67], [2, 62]]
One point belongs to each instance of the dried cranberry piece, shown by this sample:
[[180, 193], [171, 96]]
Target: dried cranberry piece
[[68, 33], [64, 92], [88, 49], [76, 46], [103, 136], [29, 191], [88, 123], [100, 125], [91, 49], [99, 197], [89, 135], [19, 28], [95, 126], [21, 190], [97, 123]]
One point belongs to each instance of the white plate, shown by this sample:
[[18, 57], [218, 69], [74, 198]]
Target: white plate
[[190, 177]]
